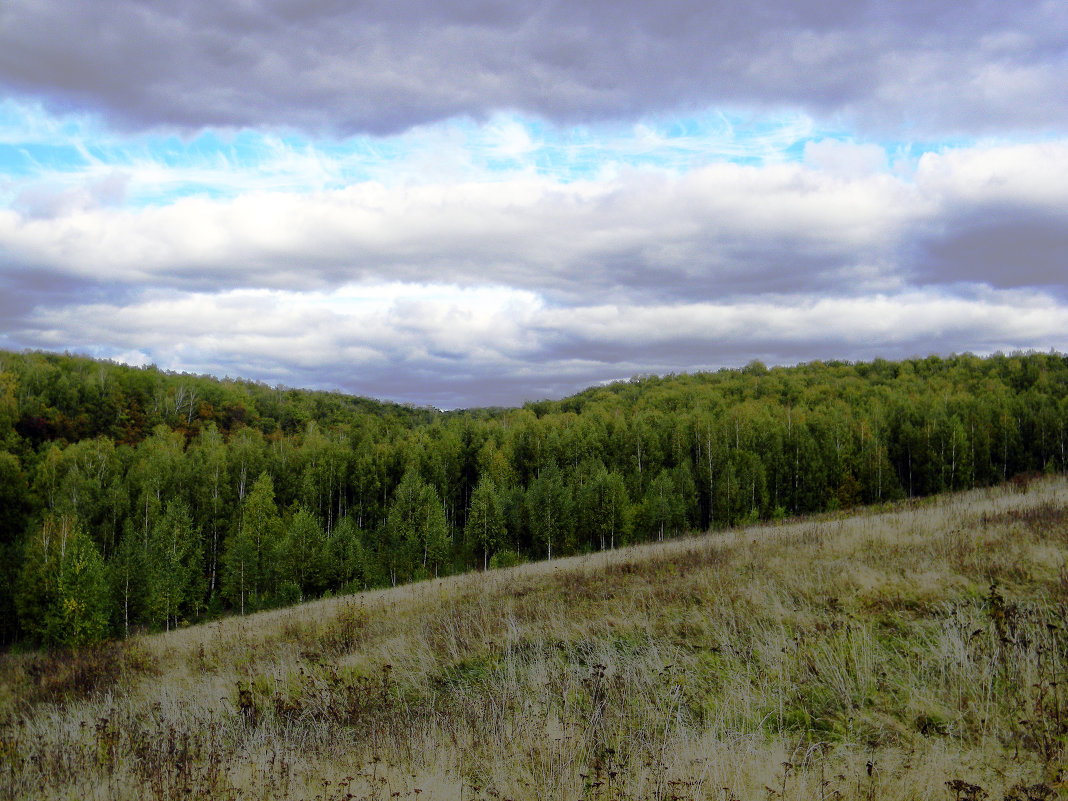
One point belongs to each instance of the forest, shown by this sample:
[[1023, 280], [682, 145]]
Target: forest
[[134, 498]]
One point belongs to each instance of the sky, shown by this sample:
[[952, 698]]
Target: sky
[[465, 203]]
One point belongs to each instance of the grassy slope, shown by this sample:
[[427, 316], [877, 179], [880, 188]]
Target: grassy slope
[[866, 657]]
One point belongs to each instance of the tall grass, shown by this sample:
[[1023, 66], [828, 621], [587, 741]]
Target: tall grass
[[913, 653]]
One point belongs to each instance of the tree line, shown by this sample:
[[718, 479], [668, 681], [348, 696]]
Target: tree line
[[132, 497]]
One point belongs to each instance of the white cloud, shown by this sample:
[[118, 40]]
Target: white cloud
[[465, 346], [723, 230], [1032, 173], [846, 159], [530, 231], [465, 285]]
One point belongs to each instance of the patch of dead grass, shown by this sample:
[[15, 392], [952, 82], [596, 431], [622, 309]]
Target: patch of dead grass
[[877, 656]]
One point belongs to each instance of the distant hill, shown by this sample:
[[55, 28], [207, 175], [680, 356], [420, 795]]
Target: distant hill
[[132, 497]]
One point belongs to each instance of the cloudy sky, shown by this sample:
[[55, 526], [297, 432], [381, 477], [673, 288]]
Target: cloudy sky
[[469, 202]]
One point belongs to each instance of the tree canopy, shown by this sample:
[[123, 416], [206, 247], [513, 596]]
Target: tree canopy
[[135, 497]]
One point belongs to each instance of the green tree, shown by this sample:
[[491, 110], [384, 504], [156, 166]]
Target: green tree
[[8, 406], [367, 487], [302, 553], [157, 474], [549, 509], [128, 572], [211, 492], [246, 458], [249, 555], [48, 479], [416, 526], [175, 583], [442, 461], [612, 509], [403, 524], [662, 506], [14, 498], [37, 593], [435, 533], [602, 511], [83, 609], [62, 597], [485, 521], [14, 505], [326, 464], [85, 480], [751, 498], [346, 556], [646, 446]]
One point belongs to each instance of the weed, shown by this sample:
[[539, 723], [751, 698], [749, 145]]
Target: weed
[[965, 791], [874, 657]]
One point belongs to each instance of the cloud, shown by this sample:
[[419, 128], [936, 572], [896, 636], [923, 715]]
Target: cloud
[[57, 199], [1003, 246], [845, 158], [451, 346], [1001, 218], [987, 215], [470, 201], [385, 67], [723, 229]]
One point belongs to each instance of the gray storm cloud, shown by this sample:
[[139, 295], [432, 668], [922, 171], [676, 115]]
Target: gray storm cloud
[[380, 67]]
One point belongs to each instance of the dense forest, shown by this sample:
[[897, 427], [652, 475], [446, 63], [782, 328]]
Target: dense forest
[[133, 497]]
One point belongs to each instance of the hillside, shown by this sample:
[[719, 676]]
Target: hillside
[[133, 498], [917, 652]]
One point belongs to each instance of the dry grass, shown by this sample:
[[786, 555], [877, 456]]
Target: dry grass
[[917, 653]]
